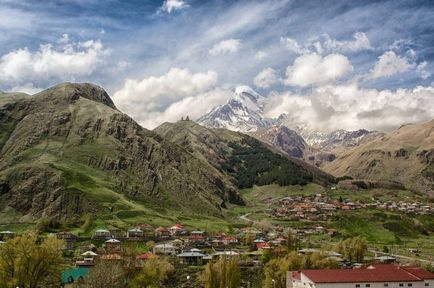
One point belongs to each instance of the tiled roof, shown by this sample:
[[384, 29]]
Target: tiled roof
[[377, 273]]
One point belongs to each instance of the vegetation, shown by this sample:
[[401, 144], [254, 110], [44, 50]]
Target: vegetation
[[106, 274], [252, 164], [223, 273], [27, 264], [153, 273], [353, 249], [276, 269]]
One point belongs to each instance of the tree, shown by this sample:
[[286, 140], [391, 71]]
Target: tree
[[352, 249], [187, 118], [106, 274], [25, 263], [225, 273], [277, 268], [153, 273]]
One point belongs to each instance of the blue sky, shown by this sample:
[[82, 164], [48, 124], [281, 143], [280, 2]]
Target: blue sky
[[345, 64]]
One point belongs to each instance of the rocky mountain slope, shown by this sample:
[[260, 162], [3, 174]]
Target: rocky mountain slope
[[338, 140], [245, 159], [68, 151], [289, 142], [405, 155]]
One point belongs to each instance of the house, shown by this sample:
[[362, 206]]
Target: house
[[165, 249], [162, 233], [147, 229], [176, 229], [69, 239], [196, 236], [113, 245], [102, 234], [87, 260], [229, 240], [225, 254], [375, 276], [262, 245], [135, 234], [191, 257], [146, 256], [6, 235]]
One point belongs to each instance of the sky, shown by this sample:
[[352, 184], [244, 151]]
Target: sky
[[326, 64]]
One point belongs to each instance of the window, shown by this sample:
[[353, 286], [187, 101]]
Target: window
[[386, 284], [357, 285], [368, 285], [401, 285], [409, 285], [426, 284]]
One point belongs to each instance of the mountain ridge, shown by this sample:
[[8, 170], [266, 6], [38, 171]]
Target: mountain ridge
[[67, 151]]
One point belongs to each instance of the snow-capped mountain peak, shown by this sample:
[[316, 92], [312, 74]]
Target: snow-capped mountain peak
[[242, 112]]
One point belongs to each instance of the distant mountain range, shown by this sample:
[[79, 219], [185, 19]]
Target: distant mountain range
[[244, 112], [405, 155]]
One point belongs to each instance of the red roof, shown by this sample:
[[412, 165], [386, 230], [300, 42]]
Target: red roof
[[419, 272], [262, 245], [377, 273], [146, 256]]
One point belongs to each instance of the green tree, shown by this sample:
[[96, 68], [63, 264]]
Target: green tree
[[153, 273], [352, 249], [225, 273], [25, 263]]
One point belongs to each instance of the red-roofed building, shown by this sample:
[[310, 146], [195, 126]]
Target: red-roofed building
[[262, 245], [375, 276]]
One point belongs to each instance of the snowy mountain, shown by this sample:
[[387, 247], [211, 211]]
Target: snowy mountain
[[336, 139], [242, 112]]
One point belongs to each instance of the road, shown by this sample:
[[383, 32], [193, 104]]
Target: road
[[401, 256]]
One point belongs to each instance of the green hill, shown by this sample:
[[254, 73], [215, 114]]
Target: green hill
[[245, 160], [67, 151]]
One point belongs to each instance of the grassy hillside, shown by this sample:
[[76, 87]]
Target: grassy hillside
[[406, 155], [67, 152], [244, 159]]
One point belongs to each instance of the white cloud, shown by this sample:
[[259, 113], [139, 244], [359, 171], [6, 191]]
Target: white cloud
[[292, 45], [62, 63], [359, 42], [350, 107], [261, 55], [28, 88], [193, 106], [170, 6], [154, 95], [325, 43], [313, 69], [266, 78], [225, 47], [390, 64], [421, 69]]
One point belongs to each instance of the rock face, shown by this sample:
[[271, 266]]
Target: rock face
[[292, 144], [67, 151], [405, 155]]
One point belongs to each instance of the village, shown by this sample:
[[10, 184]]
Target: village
[[184, 246], [321, 207]]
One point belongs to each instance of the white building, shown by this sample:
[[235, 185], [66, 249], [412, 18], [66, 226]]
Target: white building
[[375, 276]]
